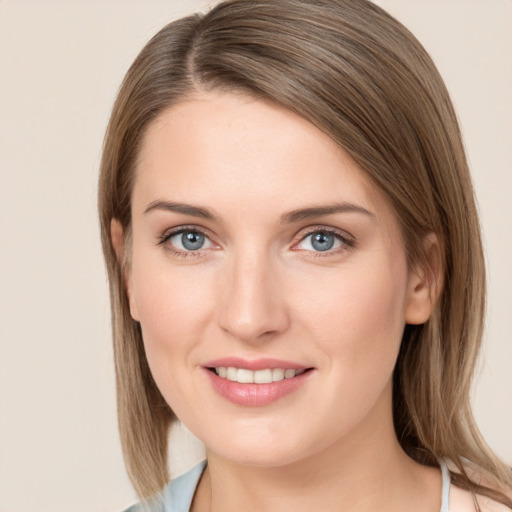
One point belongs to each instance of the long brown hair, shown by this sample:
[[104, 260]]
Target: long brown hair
[[362, 78]]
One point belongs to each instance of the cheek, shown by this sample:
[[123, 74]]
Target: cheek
[[174, 304], [357, 315], [174, 307], [356, 320]]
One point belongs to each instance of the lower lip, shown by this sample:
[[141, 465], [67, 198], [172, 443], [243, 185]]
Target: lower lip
[[256, 395]]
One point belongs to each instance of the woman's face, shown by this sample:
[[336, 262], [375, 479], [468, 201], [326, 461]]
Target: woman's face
[[261, 252]]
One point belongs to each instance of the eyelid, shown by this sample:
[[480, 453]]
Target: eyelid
[[348, 241], [169, 233], [346, 238], [176, 230]]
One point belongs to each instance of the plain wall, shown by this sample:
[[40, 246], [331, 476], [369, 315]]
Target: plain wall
[[61, 63]]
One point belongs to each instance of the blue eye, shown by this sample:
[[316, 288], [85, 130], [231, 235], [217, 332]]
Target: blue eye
[[192, 241], [189, 240], [322, 241]]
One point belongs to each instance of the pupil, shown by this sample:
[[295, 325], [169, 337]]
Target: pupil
[[322, 241], [192, 240]]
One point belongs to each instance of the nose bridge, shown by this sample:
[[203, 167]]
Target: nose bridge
[[253, 306]]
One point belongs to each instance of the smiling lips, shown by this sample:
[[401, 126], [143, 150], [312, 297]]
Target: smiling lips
[[255, 383], [245, 376]]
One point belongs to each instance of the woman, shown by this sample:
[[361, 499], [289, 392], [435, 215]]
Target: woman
[[295, 266]]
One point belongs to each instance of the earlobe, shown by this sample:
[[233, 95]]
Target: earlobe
[[425, 283], [118, 243]]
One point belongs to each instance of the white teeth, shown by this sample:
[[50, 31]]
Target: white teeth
[[262, 376], [245, 376], [232, 374], [277, 374]]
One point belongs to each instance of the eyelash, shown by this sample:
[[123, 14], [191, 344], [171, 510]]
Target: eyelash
[[178, 231], [347, 241]]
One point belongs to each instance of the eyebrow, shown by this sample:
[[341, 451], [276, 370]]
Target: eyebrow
[[320, 211], [287, 218], [186, 209]]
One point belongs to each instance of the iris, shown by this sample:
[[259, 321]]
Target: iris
[[322, 241], [192, 240]]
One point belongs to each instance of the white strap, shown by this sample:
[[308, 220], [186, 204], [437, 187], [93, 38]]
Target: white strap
[[445, 500]]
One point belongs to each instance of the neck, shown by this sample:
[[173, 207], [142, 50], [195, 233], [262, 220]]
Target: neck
[[367, 470]]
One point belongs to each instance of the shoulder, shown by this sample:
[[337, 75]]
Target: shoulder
[[462, 500], [176, 496], [489, 505]]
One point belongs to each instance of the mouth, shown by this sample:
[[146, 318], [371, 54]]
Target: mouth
[[256, 383], [264, 376]]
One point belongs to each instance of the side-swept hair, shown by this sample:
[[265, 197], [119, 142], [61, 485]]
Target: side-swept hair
[[362, 78]]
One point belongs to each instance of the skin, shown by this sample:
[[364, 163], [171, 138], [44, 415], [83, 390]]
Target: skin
[[257, 289]]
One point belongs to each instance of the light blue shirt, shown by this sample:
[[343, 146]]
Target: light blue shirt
[[177, 495]]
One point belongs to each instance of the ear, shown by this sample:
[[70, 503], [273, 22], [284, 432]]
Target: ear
[[118, 243], [425, 283]]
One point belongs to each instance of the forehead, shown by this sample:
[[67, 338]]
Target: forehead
[[235, 152]]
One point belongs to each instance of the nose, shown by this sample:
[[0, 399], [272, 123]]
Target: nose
[[253, 302]]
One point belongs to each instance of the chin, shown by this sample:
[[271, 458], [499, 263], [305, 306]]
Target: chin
[[259, 456], [264, 447]]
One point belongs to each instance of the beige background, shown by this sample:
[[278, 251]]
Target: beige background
[[60, 65]]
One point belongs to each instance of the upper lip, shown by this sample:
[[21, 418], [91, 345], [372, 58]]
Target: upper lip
[[255, 364]]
